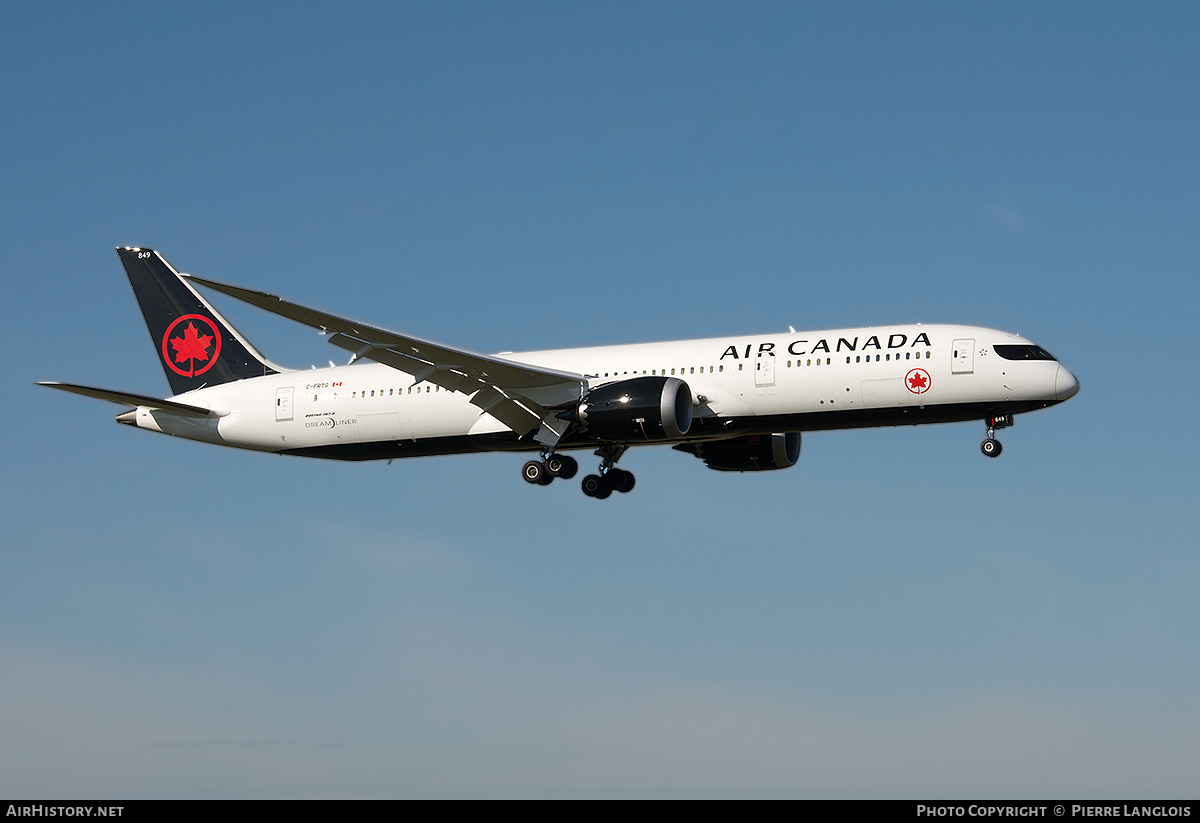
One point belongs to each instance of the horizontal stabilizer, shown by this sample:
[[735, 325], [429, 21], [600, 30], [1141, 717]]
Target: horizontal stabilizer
[[134, 400]]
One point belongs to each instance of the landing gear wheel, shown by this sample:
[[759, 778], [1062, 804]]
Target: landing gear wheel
[[561, 465], [619, 480], [535, 472], [610, 479], [991, 446], [594, 486]]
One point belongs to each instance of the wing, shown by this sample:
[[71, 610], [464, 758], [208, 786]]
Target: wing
[[519, 395]]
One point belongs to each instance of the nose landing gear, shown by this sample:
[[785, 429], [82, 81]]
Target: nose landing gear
[[991, 446]]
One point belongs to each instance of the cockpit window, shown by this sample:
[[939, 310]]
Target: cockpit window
[[1023, 351]]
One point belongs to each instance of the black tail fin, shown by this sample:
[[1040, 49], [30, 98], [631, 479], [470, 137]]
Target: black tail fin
[[197, 345]]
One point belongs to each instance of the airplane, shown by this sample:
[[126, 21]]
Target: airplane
[[736, 403]]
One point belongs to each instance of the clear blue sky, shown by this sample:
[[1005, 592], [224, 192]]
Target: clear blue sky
[[895, 616]]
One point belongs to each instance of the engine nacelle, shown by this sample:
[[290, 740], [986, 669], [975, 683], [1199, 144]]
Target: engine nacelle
[[642, 409], [749, 453]]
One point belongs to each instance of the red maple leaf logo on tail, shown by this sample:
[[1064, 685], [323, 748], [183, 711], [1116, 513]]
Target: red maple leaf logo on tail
[[190, 354], [192, 345]]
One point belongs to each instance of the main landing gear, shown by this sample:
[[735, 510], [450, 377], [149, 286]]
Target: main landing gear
[[610, 479], [991, 446], [541, 472]]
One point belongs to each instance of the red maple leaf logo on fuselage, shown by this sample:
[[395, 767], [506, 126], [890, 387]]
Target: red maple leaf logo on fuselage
[[917, 381]]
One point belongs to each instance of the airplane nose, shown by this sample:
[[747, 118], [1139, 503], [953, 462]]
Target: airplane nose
[[1065, 384]]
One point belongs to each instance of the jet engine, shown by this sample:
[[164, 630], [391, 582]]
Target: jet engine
[[642, 409], [749, 453]]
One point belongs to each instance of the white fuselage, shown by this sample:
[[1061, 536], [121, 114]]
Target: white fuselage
[[797, 381]]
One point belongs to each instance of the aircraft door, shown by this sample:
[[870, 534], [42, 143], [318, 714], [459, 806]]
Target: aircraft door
[[764, 371], [283, 404], [963, 357]]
